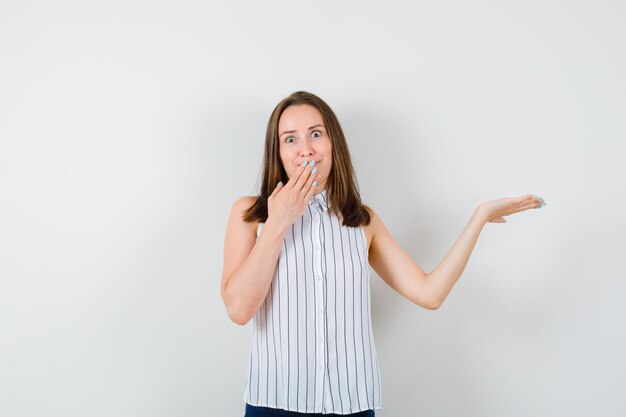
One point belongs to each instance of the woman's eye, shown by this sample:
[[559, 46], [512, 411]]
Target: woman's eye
[[318, 132]]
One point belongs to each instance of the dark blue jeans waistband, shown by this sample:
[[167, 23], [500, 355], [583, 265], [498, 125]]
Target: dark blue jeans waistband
[[256, 411]]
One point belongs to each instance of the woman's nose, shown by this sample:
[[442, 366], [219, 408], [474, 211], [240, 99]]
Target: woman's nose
[[306, 150]]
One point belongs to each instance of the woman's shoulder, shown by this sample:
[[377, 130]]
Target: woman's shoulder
[[241, 205], [245, 201]]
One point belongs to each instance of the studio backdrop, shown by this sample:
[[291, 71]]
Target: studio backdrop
[[129, 128]]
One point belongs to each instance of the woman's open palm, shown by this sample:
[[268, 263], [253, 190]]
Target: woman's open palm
[[495, 210]]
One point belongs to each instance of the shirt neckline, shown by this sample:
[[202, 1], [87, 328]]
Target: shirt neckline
[[320, 199]]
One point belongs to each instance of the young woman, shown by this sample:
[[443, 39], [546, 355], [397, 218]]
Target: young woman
[[297, 261]]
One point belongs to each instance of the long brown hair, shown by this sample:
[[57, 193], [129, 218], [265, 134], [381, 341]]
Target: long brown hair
[[342, 190]]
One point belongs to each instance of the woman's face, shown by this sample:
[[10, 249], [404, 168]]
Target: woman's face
[[303, 137]]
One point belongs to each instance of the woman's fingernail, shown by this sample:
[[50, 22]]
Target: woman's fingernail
[[305, 162], [314, 183], [312, 163], [314, 169], [533, 197], [279, 182]]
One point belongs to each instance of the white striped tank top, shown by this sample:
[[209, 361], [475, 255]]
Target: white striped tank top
[[312, 347]]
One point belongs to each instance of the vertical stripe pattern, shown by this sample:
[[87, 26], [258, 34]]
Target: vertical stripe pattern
[[312, 348]]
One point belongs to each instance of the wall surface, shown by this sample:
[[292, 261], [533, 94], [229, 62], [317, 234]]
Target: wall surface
[[128, 129]]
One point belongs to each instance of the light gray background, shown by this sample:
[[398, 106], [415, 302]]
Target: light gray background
[[128, 128]]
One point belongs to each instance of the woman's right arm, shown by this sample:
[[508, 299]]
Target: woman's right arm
[[249, 265]]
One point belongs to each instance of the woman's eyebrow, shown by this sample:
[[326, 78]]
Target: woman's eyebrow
[[291, 131]]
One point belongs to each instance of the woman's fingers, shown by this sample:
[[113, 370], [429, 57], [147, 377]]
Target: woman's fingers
[[302, 180], [276, 189], [496, 209], [294, 179], [528, 201], [309, 187], [523, 207], [523, 198], [528, 198]]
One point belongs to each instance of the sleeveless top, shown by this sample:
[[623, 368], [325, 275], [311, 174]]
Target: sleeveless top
[[312, 347]]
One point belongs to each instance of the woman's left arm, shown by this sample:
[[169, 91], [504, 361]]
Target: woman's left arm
[[429, 290], [447, 272]]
